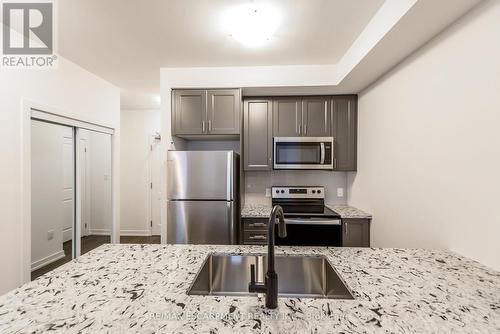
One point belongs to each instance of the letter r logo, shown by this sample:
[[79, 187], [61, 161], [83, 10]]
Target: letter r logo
[[28, 28]]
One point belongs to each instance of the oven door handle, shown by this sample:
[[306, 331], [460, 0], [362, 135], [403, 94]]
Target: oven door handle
[[312, 221], [322, 146]]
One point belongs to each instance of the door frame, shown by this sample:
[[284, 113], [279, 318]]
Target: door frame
[[32, 110], [154, 140]]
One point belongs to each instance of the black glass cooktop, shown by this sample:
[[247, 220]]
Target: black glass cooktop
[[323, 212]]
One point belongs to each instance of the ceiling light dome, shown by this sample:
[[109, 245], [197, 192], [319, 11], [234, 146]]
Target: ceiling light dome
[[251, 24]]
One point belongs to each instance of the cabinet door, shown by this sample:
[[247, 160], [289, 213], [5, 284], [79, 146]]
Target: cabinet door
[[316, 117], [223, 111], [189, 113], [345, 132], [356, 232], [287, 114], [257, 135]]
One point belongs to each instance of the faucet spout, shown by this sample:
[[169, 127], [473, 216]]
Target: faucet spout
[[271, 284]]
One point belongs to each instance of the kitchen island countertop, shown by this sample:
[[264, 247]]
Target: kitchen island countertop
[[142, 288]]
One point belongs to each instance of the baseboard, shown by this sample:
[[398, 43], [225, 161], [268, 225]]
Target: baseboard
[[135, 233], [96, 231], [47, 260], [67, 234]]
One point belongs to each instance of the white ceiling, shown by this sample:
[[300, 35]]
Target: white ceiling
[[343, 45], [126, 42]]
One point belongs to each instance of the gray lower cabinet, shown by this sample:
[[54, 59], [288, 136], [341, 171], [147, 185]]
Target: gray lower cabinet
[[189, 112], [203, 112], [257, 134], [254, 231], [345, 132], [316, 117], [355, 232], [223, 111], [287, 116]]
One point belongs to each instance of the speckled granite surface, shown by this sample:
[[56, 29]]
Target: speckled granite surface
[[345, 211], [256, 211], [142, 289]]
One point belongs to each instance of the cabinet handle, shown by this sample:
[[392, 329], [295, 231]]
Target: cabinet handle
[[209, 125], [345, 228], [257, 237], [300, 129], [305, 129], [202, 126], [334, 163], [257, 224]]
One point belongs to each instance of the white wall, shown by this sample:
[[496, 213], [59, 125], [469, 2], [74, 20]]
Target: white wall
[[429, 144], [137, 130], [76, 93]]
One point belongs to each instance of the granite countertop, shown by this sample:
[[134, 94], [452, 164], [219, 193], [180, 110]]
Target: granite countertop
[[262, 210], [256, 211], [142, 288], [347, 211]]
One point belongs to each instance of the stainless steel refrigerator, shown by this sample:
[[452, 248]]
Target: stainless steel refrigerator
[[203, 197]]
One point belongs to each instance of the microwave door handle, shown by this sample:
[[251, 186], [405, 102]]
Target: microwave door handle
[[322, 146]]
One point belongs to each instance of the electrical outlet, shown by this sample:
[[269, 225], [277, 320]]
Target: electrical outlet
[[340, 192], [268, 192], [50, 234]]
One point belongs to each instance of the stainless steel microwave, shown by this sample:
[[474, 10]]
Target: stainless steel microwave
[[303, 153]]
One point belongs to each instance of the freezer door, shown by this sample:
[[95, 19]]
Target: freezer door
[[201, 175], [201, 222]]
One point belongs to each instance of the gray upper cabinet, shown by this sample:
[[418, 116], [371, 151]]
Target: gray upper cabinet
[[287, 115], [189, 112], [206, 112], [302, 116], [223, 117], [355, 232], [257, 134], [316, 117], [345, 132]]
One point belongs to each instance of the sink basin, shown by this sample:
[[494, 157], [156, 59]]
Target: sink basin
[[298, 276]]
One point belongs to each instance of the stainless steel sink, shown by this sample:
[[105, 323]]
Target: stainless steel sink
[[298, 276]]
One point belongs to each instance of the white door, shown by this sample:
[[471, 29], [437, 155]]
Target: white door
[[52, 180], [68, 183], [83, 160], [155, 187]]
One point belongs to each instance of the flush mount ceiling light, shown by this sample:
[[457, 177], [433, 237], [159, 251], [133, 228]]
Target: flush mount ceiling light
[[251, 24]]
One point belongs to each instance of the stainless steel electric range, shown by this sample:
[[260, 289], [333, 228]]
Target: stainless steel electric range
[[309, 221]]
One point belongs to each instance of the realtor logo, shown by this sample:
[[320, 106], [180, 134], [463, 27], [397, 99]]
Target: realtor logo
[[28, 34]]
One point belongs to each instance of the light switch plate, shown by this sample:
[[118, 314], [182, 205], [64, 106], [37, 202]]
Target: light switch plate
[[268, 192], [340, 192], [50, 234]]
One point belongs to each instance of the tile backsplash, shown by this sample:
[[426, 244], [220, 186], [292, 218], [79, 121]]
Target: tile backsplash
[[257, 182]]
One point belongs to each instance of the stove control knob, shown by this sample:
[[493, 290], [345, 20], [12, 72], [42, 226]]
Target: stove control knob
[[277, 191], [282, 191], [314, 191], [319, 191]]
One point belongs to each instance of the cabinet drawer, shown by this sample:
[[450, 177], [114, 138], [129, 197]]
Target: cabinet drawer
[[255, 224], [255, 237]]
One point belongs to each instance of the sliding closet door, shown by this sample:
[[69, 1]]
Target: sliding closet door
[[94, 210], [52, 191]]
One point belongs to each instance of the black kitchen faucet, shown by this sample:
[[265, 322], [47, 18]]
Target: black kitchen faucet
[[270, 286]]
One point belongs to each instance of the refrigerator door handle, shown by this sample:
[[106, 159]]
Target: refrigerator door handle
[[229, 176], [231, 222]]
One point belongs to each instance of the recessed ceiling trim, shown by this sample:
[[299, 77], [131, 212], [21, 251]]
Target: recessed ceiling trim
[[384, 20]]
